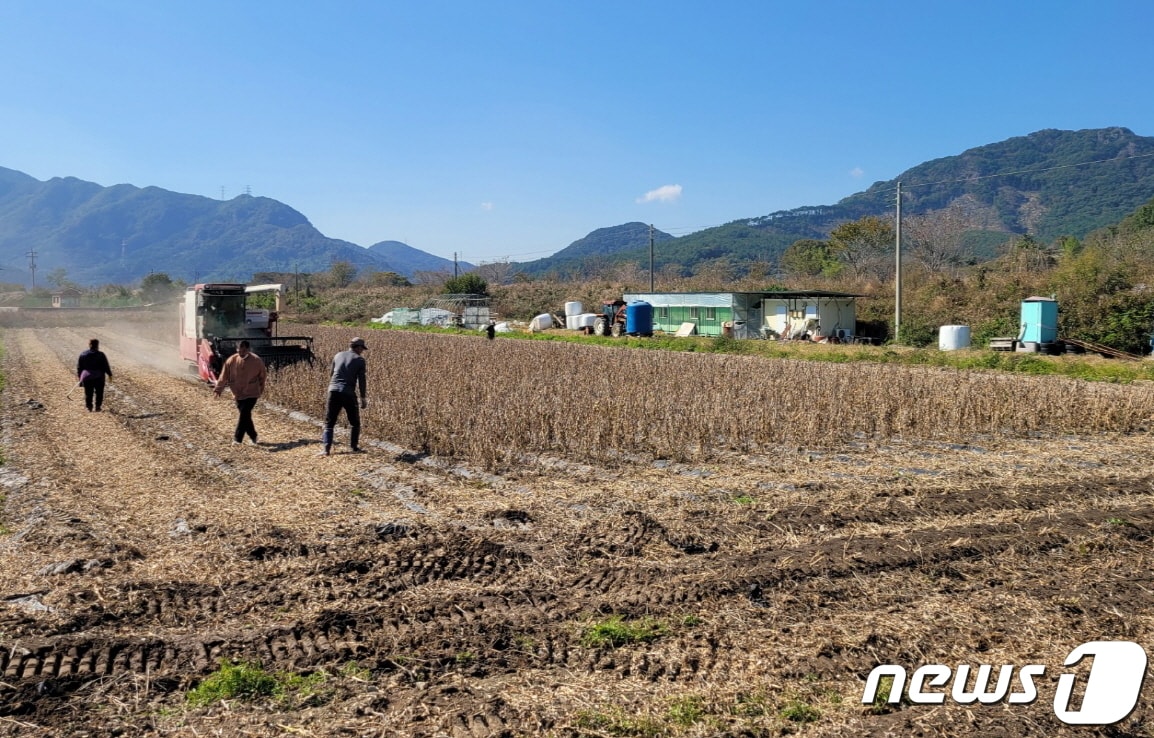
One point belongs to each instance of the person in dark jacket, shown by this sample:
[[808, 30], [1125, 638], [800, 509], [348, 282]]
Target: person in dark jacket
[[348, 376], [91, 372]]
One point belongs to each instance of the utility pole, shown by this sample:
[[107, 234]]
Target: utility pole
[[898, 269], [454, 265], [651, 257], [32, 268]]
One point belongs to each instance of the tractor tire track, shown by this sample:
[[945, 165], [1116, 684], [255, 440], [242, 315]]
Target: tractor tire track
[[374, 624], [305, 565]]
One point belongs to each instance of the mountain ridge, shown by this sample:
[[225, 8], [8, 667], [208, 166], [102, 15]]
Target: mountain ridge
[[120, 233], [1031, 184], [1049, 184]]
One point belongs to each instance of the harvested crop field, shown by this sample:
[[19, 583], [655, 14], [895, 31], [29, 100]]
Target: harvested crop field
[[156, 580]]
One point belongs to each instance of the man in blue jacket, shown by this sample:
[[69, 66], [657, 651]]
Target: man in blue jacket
[[91, 371], [348, 376]]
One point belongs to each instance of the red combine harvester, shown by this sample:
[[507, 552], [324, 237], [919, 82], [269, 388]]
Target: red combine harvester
[[214, 318]]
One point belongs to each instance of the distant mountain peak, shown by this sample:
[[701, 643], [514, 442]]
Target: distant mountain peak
[[1049, 183], [119, 234]]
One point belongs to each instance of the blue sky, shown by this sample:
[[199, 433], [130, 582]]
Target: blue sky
[[510, 129]]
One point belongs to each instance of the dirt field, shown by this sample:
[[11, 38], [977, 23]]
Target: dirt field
[[394, 594]]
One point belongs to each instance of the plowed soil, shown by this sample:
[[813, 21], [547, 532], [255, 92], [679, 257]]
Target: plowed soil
[[414, 596]]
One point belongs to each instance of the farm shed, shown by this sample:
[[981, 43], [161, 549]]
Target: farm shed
[[780, 314], [66, 298]]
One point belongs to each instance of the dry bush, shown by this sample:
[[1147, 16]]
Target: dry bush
[[491, 401]]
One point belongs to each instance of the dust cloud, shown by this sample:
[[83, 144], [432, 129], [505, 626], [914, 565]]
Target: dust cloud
[[143, 337]]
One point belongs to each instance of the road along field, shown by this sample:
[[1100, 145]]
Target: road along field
[[157, 580]]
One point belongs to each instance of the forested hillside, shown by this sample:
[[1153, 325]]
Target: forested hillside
[[1047, 185]]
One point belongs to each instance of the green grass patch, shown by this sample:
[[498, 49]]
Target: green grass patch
[[800, 712], [235, 681], [686, 711], [728, 345], [881, 703], [248, 682], [305, 690], [616, 631]]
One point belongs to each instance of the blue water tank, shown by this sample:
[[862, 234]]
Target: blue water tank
[[1039, 320], [639, 318]]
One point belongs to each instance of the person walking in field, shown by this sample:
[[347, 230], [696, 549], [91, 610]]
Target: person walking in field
[[245, 374], [91, 371], [348, 376]]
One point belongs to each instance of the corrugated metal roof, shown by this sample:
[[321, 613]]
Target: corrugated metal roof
[[801, 293], [784, 294]]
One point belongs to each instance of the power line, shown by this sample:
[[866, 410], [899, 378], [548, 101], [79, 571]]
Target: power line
[[464, 257]]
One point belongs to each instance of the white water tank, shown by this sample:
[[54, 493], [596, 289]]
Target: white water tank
[[954, 337]]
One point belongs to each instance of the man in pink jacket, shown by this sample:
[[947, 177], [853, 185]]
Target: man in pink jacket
[[244, 373]]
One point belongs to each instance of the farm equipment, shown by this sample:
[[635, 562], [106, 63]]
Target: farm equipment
[[611, 321], [214, 318], [621, 318]]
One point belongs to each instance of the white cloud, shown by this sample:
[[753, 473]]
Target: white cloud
[[857, 172], [665, 193], [486, 206]]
